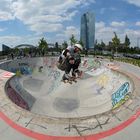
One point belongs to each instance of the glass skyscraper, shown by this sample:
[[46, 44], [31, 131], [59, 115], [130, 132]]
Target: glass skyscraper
[[87, 35]]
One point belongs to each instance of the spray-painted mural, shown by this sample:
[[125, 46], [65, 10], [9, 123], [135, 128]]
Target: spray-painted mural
[[91, 64], [121, 95], [23, 68], [92, 67], [16, 98]]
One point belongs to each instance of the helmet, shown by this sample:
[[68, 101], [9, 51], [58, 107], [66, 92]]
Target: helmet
[[78, 46]]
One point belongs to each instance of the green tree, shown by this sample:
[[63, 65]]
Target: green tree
[[64, 45], [115, 42], [103, 45], [96, 45], [42, 45], [16, 51], [127, 41], [26, 50], [73, 40], [56, 46]]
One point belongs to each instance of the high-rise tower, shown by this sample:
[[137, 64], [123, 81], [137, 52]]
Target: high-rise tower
[[87, 34]]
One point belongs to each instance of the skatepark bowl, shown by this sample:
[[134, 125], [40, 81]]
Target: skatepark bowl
[[38, 100]]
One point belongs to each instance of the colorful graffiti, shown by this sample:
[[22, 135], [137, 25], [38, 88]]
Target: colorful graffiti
[[112, 66], [122, 101], [5, 75], [103, 80], [121, 95], [91, 64], [54, 76], [23, 64], [16, 98]]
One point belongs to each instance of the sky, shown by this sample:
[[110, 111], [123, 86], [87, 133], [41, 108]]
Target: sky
[[27, 21]]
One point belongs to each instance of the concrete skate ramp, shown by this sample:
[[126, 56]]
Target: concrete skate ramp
[[95, 93]]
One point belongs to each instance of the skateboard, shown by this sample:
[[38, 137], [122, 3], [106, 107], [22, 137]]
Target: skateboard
[[70, 80]]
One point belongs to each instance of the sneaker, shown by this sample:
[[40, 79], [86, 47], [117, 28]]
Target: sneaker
[[73, 74], [66, 77]]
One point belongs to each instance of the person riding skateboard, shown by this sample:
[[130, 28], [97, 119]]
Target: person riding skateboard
[[71, 52]]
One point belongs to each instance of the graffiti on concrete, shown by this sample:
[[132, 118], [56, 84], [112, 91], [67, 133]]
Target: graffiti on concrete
[[112, 66], [16, 98], [85, 64], [94, 63], [45, 60], [122, 101], [121, 95], [23, 64], [51, 62], [103, 80], [17, 87], [91, 64], [54, 79], [5, 75], [26, 70]]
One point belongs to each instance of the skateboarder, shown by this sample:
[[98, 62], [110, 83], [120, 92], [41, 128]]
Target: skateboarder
[[71, 52]]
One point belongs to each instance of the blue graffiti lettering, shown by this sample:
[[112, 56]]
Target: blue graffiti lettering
[[120, 93]]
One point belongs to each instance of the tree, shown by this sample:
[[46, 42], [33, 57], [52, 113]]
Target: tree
[[43, 46], [115, 42], [26, 50], [127, 41], [57, 46], [73, 40], [64, 45], [96, 45], [16, 51], [103, 45]]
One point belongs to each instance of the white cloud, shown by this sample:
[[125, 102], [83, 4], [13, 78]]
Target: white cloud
[[13, 41], [118, 24], [49, 16], [138, 23], [41, 15], [35, 12], [99, 25], [103, 32], [135, 2], [8, 39], [66, 34], [134, 33], [5, 16], [46, 27], [106, 33], [5, 10], [71, 30]]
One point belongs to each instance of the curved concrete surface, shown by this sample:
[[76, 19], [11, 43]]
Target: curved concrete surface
[[87, 97], [91, 95], [95, 101]]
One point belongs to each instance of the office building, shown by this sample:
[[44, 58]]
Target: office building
[[87, 35]]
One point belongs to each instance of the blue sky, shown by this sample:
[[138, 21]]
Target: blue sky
[[26, 21]]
